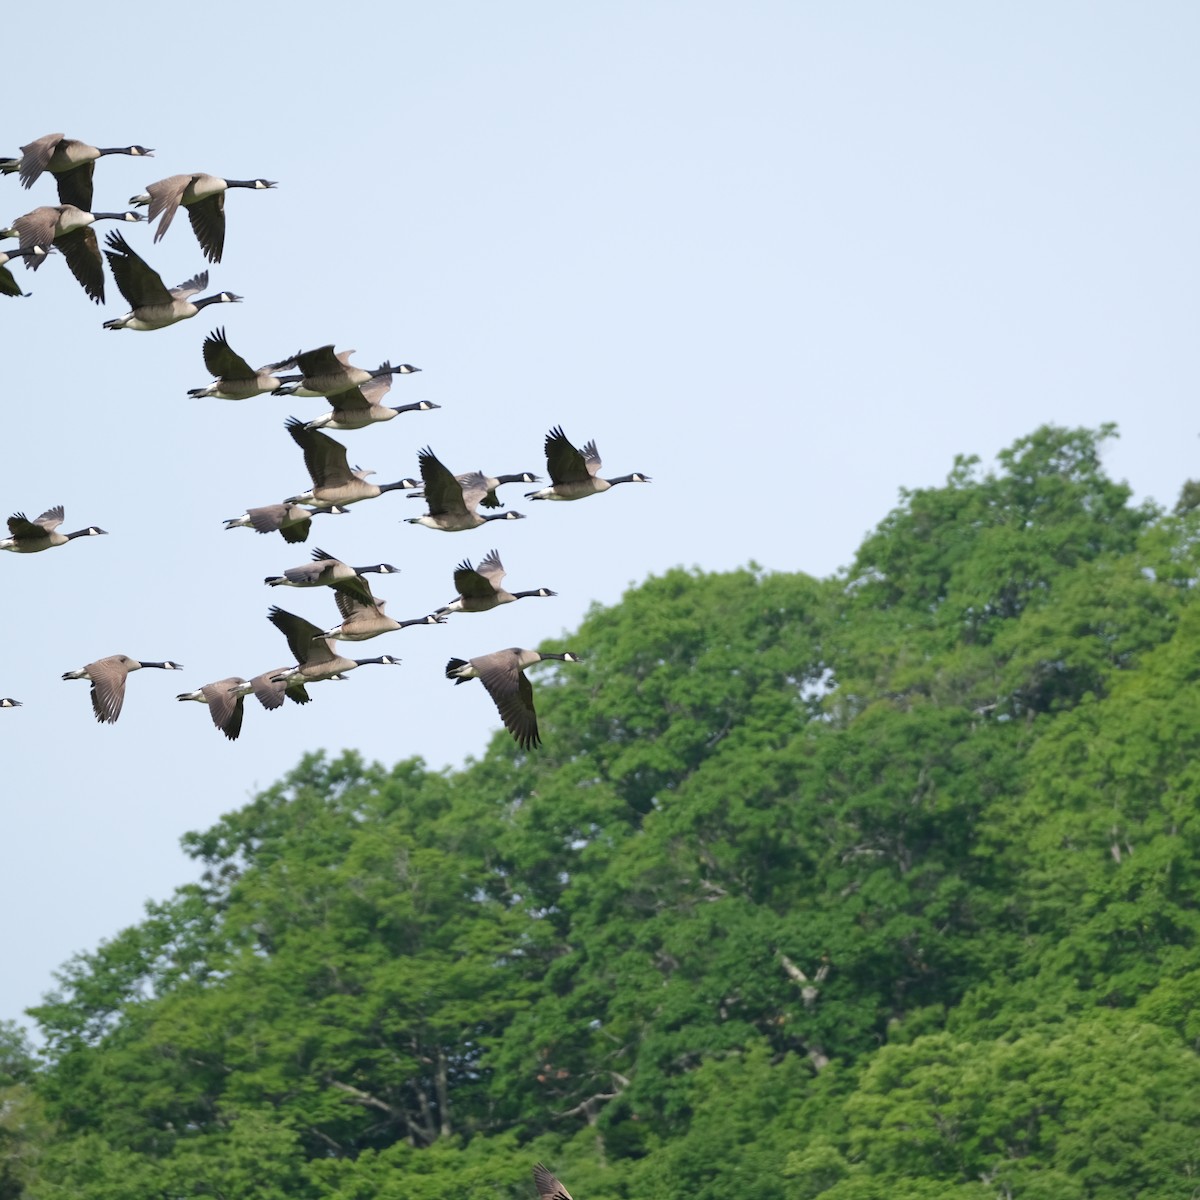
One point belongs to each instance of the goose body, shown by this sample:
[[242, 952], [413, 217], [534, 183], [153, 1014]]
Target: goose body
[[154, 305], [325, 373], [326, 571], [479, 587], [108, 677], [270, 689], [29, 537], [8, 283], [573, 473], [9, 702], [503, 674], [225, 704], [291, 521], [452, 500], [204, 198], [491, 482], [365, 619], [69, 160], [315, 657], [234, 378], [68, 229], [361, 406], [333, 482]]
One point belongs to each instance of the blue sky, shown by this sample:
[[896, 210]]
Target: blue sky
[[786, 258]]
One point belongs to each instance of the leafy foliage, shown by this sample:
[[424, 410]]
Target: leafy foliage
[[882, 885]]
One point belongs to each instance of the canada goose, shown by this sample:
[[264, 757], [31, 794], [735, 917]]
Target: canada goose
[[154, 305], [291, 520], [492, 482], [9, 702], [69, 229], [108, 682], [479, 587], [360, 406], [452, 500], [235, 378], [225, 704], [71, 162], [323, 373], [315, 657], [8, 284], [548, 1187], [573, 472], [327, 571], [28, 537], [362, 620], [204, 198], [270, 689], [503, 674], [333, 480]]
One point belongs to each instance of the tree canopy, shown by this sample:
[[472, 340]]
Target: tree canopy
[[878, 885]]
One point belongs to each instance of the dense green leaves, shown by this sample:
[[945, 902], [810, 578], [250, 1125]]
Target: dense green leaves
[[877, 886]]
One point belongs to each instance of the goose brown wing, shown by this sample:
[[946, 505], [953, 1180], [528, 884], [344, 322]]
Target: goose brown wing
[[20, 526], [75, 186], [324, 458], [563, 461], [108, 677], [208, 224], [221, 360], [354, 400], [36, 157], [513, 696], [165, 196], [82, 253], [300, 636], [36, 227], [471, 583], [140, 284], [548, 1187], [224, 706], [443, 493], [313, 362]]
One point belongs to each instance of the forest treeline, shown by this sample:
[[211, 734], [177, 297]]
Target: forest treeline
[[878, 886]]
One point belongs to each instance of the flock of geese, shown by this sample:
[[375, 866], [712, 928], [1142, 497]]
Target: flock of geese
[[356, 397]]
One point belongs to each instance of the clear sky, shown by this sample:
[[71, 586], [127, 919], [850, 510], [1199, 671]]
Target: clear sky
[[786, 258]]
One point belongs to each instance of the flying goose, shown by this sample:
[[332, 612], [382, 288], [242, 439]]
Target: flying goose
[[271, 689], [292, 521], [452, 500], [235, 378], [333, 480], [314, 653], [503, 674], [9, 702], [492, 482], [8, 284], [548, 1187], [68, 229], [154, 305], [573, 472], [204, 198], [360, 406], [28, 537], [324, 373], [479, 587], [108, 677], [327, 571], [362, 620], [225, 703], [71, 162]]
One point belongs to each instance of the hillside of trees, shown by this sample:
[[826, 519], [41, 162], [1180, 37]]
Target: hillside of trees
[[879, 886]]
